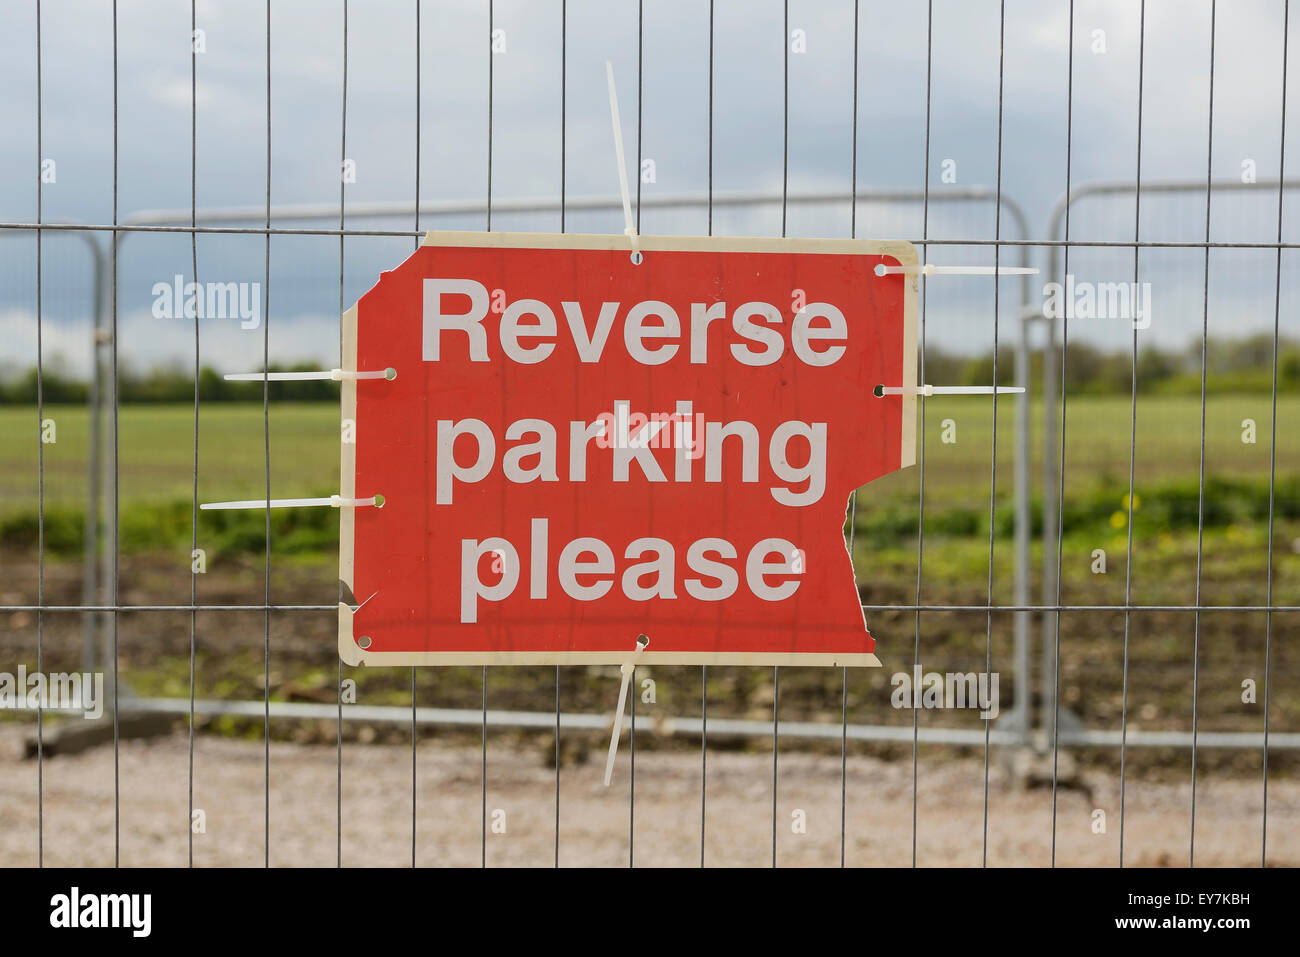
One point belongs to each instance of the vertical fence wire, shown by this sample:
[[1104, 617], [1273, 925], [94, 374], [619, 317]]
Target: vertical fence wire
[[266, 458], [343, 158], [483, 774], [640, 101], [704, 669], [414, 729], [853, 498], [920, 504], [1132, 449], [785, 205], [40, 468], [1060, 512], [117, 471], [194, 503], [564, 131], [490, 95], [1272, 454], [1200, 503], [993, 455]]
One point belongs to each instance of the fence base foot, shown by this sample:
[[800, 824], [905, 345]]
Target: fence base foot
[[76, 734], [1035, 767]]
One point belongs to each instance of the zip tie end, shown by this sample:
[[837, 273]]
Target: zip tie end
[[931, 390], [626, 669], [931, 269], [336, 375], [333, 501], [629, 224]]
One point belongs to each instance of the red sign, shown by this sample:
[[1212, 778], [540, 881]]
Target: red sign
[[577, 449]]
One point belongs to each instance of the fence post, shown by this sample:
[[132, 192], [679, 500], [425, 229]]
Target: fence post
[[90, 592]]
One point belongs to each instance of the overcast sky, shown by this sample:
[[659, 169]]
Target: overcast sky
[[307, 112]]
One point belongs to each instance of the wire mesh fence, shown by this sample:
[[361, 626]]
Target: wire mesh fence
[[1106, 623]]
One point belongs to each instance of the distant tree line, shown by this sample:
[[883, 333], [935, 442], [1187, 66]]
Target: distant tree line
[[169, 385], [1232, 365]]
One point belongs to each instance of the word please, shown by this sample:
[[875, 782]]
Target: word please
[[586, 569], [812, 330]]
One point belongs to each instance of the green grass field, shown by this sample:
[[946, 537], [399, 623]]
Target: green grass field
[[157, 452], [157, 472], [157, 449], [156, 486]]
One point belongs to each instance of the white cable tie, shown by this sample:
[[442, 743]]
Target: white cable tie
[[930, 269], [337, 375], [626, 668], [357, 608], [629, 225], [948, 390], [334, 501]]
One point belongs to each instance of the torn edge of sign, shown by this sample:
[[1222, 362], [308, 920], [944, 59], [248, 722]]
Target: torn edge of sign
[[353, 654]]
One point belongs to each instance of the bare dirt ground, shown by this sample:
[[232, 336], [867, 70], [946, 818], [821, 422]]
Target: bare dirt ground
[[595, 822]]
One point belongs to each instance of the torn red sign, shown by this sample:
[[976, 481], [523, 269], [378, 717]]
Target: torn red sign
[[578, 448]]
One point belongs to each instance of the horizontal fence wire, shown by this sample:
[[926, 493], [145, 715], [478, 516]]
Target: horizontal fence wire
[[354, 231], [895, 606]]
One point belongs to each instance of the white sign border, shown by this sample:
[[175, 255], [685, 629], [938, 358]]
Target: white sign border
[[353, 654]]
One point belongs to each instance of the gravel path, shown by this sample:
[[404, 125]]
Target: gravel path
[[594, 821]]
